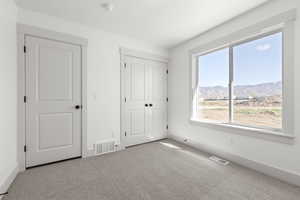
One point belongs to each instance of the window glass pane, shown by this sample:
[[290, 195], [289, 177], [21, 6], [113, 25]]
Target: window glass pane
[[258, 82], [212, 93]]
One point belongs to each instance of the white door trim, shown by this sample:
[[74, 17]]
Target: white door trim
[[22, 31], [138, 54]]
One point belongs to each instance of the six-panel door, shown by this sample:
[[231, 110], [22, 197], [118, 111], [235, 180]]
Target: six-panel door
[[53, 89]]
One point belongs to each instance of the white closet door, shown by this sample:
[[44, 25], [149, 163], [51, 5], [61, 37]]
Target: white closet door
[[136, 75], [145, 100], [158, 100], [53, 89]]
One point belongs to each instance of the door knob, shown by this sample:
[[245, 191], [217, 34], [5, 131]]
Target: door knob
[[146, 105], [77, 107]]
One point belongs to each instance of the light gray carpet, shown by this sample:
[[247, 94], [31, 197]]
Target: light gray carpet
[[163, 170]]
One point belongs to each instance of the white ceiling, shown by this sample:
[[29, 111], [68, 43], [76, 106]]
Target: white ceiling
[[164, 23]]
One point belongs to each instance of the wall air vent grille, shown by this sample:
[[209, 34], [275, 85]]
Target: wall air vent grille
[[219, 160], [103, 147]]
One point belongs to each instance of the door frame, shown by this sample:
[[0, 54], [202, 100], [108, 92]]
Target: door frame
[[26, 30], [137, 54]]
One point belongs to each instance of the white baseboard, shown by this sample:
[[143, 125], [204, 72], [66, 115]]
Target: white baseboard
[[90, 153], [9, 179], [275, 172]]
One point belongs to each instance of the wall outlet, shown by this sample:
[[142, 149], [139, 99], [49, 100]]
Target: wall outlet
[[117, 147]]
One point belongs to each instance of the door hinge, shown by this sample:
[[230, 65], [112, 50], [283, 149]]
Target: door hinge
[[25, 99], [25, 148], [167, 99], [24, 49], [125, 134], [167, 127], [167, 71], [125, 99], [125, 65]]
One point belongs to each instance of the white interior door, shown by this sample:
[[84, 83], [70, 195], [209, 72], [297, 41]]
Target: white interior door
[[53, 90], [158, 100], [145, 98], [136, 97]]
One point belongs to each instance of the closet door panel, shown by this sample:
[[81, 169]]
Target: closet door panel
[[158, 94], [136, 94]]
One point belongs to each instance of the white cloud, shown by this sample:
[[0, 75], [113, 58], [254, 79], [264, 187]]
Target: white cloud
[[263, 47]]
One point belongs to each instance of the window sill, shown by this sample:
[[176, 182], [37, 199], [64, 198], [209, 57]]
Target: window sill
[[276, 136]]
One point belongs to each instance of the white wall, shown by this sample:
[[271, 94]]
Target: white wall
[[103, 71], [282, 156], [8, 90]]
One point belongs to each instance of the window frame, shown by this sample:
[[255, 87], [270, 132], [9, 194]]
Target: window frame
[[283, 23]]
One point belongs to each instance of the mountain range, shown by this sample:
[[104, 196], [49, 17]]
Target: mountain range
[[242, 91]]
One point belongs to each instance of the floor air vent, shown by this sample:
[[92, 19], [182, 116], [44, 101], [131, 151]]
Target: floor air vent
[[104, 147], [219, 160]]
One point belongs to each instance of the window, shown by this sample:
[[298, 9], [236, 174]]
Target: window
[[246, 80], [242, 83], [257, 82], [212, 90]]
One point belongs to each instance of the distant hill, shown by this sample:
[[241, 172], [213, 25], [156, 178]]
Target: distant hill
[[242, 91]]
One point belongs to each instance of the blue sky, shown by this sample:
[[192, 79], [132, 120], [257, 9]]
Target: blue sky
[[255, 62]]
